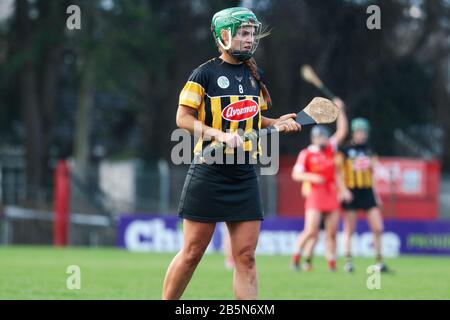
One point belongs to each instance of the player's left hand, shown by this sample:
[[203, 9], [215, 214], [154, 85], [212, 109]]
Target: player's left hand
[[286, 123], [345, 195], [378, 201], [339, 103]]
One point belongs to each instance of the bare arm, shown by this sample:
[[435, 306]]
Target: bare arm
[[341, 123], [340, 184], [187, 119], [374, 162], [344, 193], [285, 123], [306, 177], [267, 122]]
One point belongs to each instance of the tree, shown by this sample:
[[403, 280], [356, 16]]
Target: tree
[[36, 40]]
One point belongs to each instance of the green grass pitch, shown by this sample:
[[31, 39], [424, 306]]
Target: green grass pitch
[[108, 273]]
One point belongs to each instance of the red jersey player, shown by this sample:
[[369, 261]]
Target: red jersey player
[[316, 166]]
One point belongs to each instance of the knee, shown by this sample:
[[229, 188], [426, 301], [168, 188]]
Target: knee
[[311, 234], [192, 255], [245, 257], [331, 234], [349, 228], [348, 233], [378, 230]]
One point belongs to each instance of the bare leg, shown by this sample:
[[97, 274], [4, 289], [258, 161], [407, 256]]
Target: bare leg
[[309, 246], [308, 254], [229, 263], [349, 228], [244, 238], [375, 220], [310, 230], [196, 236], [331, 225], [307, 240]]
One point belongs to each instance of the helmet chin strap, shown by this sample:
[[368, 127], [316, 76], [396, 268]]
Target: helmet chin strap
[[240, 55]]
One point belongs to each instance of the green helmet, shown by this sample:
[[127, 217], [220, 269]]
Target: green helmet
[[360, 124], [231, 19]]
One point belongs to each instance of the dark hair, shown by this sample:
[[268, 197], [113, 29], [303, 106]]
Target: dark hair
[[252, 66]]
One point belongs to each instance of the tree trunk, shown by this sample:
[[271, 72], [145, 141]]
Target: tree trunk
[[34, 135], [82, 122]]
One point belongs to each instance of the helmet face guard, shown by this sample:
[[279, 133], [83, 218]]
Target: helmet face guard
[[320, 136], [320, 131], [241, 25]]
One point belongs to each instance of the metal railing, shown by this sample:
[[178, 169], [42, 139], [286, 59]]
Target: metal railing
[[15, 219]]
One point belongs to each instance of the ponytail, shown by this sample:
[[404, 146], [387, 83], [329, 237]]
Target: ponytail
[[251, 65]]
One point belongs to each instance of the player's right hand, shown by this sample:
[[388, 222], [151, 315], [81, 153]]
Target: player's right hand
[[317, 179], [232, 140]]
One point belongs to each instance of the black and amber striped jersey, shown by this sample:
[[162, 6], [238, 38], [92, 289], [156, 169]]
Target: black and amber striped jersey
[[356, 161], [227, 97]]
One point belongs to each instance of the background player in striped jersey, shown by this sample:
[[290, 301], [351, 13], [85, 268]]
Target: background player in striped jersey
[[316, 166], [357, 161]]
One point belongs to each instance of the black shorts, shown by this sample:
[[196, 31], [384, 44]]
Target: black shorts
[[221, 192], [363, 199]]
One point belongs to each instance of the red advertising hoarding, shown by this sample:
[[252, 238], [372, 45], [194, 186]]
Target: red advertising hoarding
[[408, 188], [403, 177]]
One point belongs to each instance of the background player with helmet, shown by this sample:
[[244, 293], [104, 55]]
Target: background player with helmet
[[357, 161]]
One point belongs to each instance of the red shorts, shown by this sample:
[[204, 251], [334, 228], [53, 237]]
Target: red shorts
[[323, 198]]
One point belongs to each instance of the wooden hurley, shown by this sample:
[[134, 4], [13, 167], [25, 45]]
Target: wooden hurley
[[310, 76], [318, 111]]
